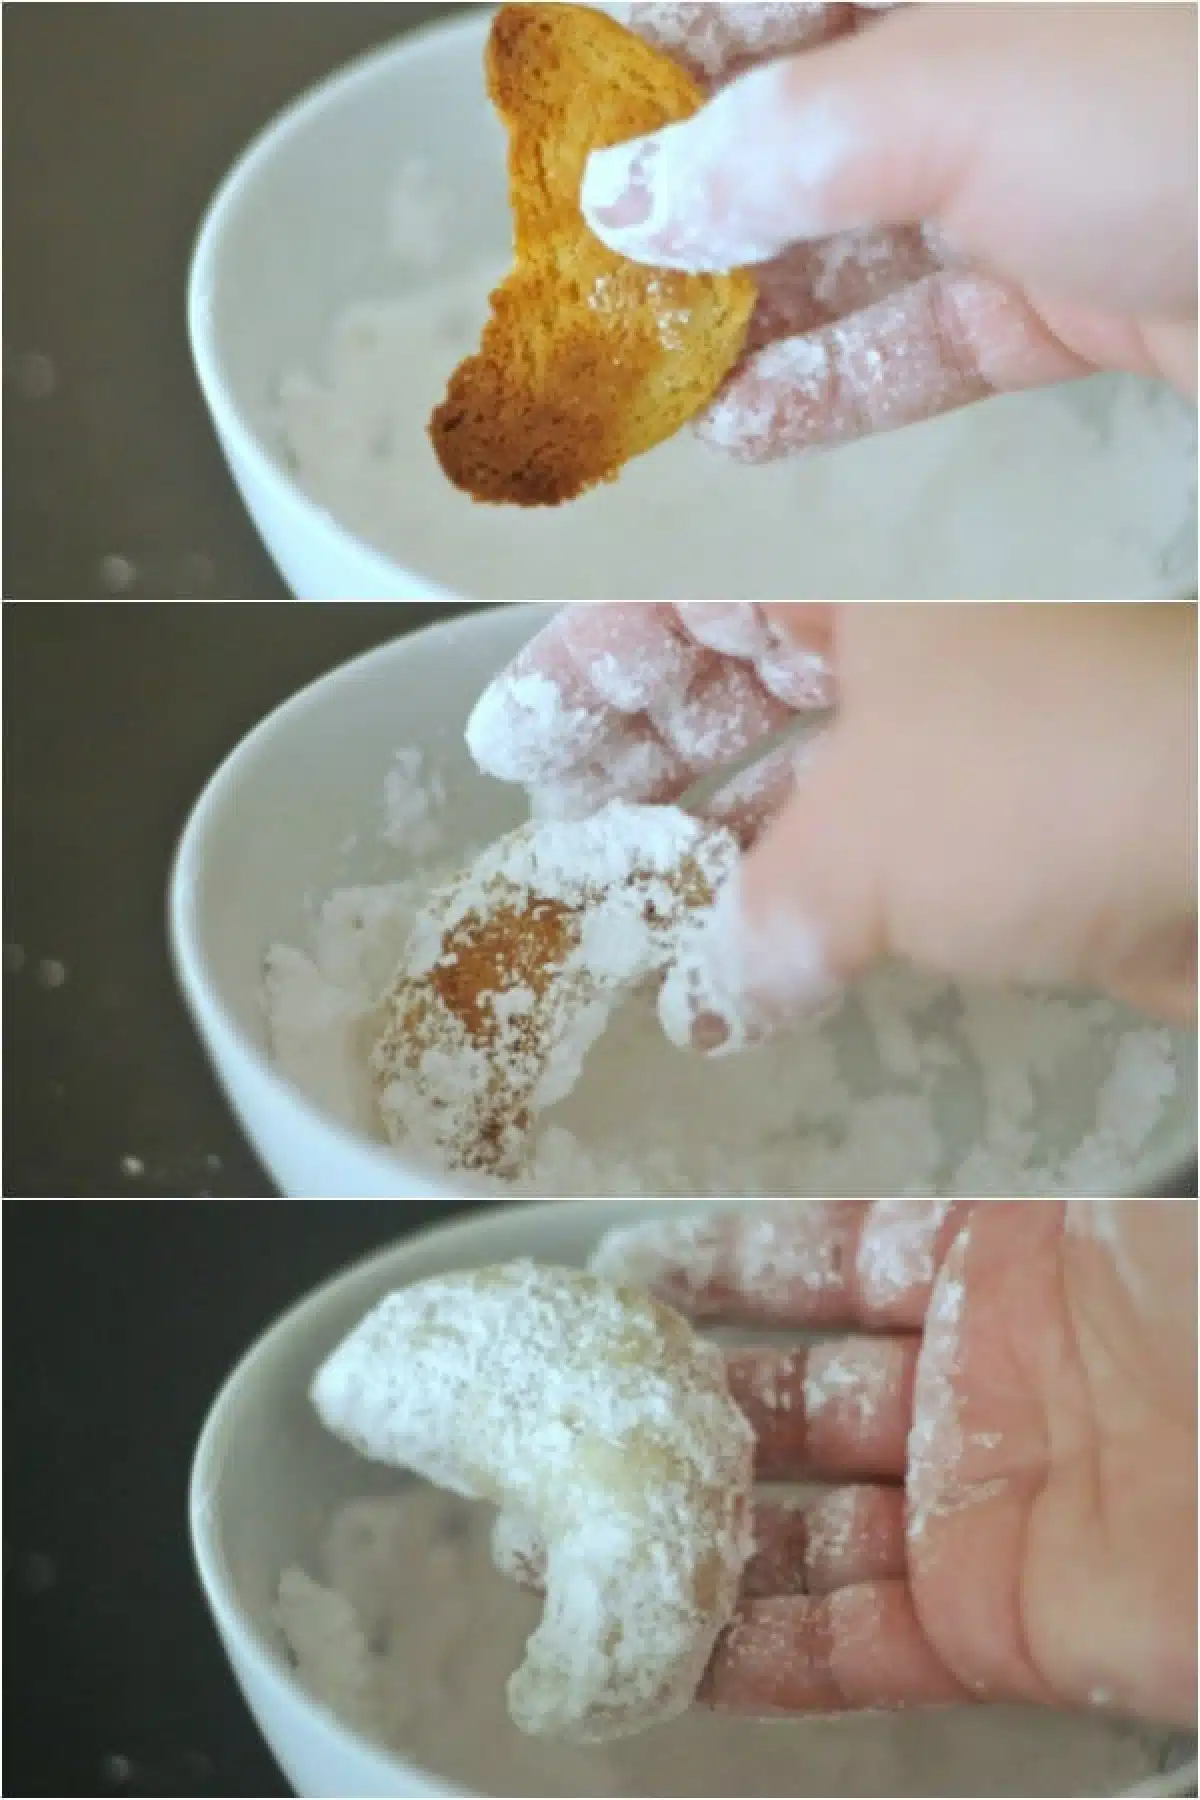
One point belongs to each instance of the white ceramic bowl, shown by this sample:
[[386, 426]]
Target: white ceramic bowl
[[266, 1476], [270, 832], [293, 814], [299, 231]]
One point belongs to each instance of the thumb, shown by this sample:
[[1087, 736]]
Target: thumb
[[1033, 138], [799, 919], [798, 148]]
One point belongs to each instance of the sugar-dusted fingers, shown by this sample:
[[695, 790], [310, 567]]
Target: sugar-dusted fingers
[[639, 700], [810, 285], [858, 1647], [846, 1535], [824, 1264], [927, 349], [746, 804], [836, 1409], [714, 42]]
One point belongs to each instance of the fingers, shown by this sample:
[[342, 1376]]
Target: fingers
[[847, 1535], [811, 285], [804, 913], [714, 42], [838, 1409], [1035, 137], [939, 344], [812, 1265], [796, 149], [640, 700], [746, 804], [792, 661], [857, 1647]]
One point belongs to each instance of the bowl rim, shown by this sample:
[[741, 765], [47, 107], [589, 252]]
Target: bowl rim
[[270, 1666], [233, 428], [233, 1623], [190, 963]]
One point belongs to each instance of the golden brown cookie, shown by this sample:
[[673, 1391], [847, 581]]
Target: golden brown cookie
[[587, 359]]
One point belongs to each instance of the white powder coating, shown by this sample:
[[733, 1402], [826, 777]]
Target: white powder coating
[[913, 1087], [405, 1630], [597, 1415], [780, 1257], [513, 970], [412, 799], [1085, 491], [994, 1092], [896, 1252], [934, 1482], [709, 39]]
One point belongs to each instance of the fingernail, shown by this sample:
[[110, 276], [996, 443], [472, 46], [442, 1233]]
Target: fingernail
[[800, 678], [709, 1032], [730, 187], [741, 980], [622, 173]]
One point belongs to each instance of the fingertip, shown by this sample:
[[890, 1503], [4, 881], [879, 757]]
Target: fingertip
[[750, 971], [537, 719]]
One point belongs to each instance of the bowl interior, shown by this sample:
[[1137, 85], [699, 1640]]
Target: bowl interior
[[297, 810], [263, 1512], [300, 228], [266, 1476], [318, 217]]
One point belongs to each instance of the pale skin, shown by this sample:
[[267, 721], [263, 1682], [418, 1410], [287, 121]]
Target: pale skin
[[1000, 791], [1025, 177], [1021, 1495]]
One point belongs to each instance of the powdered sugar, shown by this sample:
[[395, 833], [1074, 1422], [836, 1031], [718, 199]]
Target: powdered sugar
[[684, 169], [1082, 492], [330, 1647], [856, 1378], [836, 1533], [598, 1416], [512, 971], [525, 729], [710, 39], [412, 798], [439, 1631], [912, 1087], [896, 1251], [777, 1261], [803, 1115], [671, 322], [935, 1486]]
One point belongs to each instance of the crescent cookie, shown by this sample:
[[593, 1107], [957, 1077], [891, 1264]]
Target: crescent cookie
[[601, 1424]]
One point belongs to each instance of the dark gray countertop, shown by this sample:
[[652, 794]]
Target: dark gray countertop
[[120, 122], [115, 716]]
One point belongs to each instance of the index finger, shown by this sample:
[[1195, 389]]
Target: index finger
[[639, 699], [713, 43], [809, 1264]]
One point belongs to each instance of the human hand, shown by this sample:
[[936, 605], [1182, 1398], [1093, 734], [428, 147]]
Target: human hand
[[1007, 792], [1011, 1452], [941, 203]]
